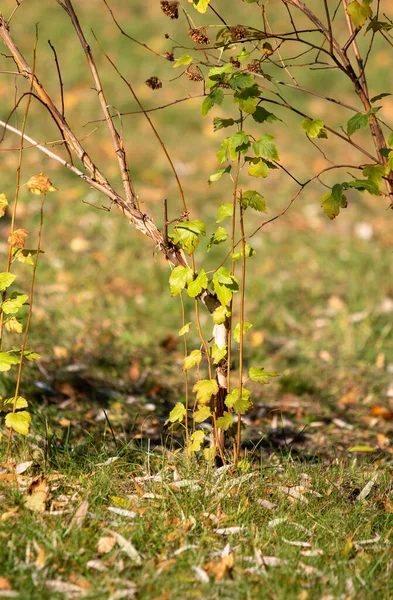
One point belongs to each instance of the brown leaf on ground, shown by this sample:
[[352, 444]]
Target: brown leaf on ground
[[5, 584], [79, 516], [40, 560], [37, 495], [221, 568], [105, 544], [377, 410]]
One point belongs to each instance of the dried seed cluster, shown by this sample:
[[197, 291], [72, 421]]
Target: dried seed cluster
[[198, 35], [193, 73], [169, 56], [170, 9], [254, 66], [235, 62], [238, 32], [154, 83]]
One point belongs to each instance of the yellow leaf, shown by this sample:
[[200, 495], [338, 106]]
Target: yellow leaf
[[194, 358], [40, 184], [37, 495], [19, 421]]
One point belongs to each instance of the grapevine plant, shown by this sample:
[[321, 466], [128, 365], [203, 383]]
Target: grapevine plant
[[235, 67]]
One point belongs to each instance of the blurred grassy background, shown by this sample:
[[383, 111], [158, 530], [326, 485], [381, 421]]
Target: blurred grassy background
[[320, 293]]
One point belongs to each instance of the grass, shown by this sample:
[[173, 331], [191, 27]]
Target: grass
[[319, 537], [320, 299]]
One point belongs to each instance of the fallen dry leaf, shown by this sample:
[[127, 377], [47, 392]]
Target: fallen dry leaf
[[40, 560], [22, 467], [63, 587], [127, 547], [80, 515], [221, 568], [5, 584], [9, 513], [37, 495], [105, 544]]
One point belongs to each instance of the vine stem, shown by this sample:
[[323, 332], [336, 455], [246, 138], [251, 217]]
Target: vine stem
[[185, 372], [241, 320], [29, 315]]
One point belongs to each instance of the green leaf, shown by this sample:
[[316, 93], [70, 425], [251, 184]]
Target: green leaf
[[205, 389], [218, 237], [216, 96], [185, 329], [334, 200], [365, 185], [227, 68], [260, 375], [240, 81], [236, 331], [216, 176], [390, 139], [374, 172], [224, 276], [24, 255], [185, 59], [19, 421], [198, 285], [258, 168], [249, 251], [375, 25], [359, 13], [7, 404], [254, 200], [243, 56], [241, 405], [6, 279], [218, 354], [28, 354], [179, 278], [226, 421], [187, 234], [266, 147], [7, 360], [200, 5], [361, 449], [220, 315], [358, 121], [3, 204], [202, 414], [223, 292], [261, 115], [239, 142], [177, 414], [194, 358], [312, 128], [219, 123], [379, 97], [224, 212], [225, 284], [196, 441], [14, 303], [247, 99]]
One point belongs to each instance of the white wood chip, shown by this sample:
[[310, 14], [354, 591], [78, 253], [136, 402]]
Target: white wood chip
[[266, 504], [367, 488], [127, 547], [296, 543], [228, 530], [315, 552], [201, 575], [22, 467], [122, 512], [278, 521], [98, 565]]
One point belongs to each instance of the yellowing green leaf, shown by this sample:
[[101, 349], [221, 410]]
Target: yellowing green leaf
[[361, 449], [265, 147], [312, 128], [177, 414], [19, 421], [220, 314], [209, 454], [185, 329], [205, 389], [194, 358], [200, 5], [258, 168], [374, 173], [3, 204], [6, 279], [254, 200], [259, 374], [198, 285], [226, 421], [7, 404], [224, 212], [236, 331], [187, 234], [241, 405], [196, 441], [7, 360], [202, 414], [218, 354], [359, 13], [14, 303], [334, 200], [179, 278], [185, 59]]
